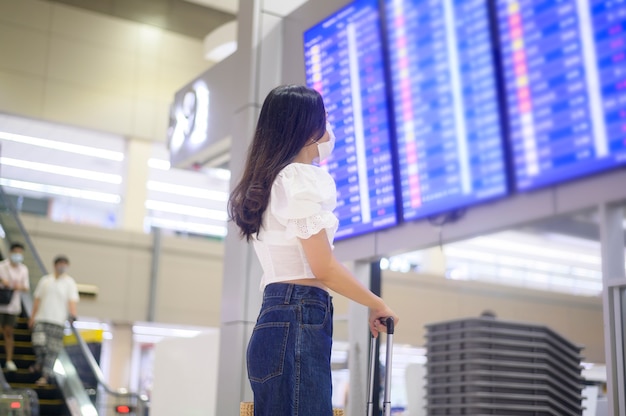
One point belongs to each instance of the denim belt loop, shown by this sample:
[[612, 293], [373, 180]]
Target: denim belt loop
[[288, 293]]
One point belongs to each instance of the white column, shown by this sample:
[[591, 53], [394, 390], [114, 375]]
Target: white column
[[359, 339], [614, 302], [120, 355], [258, 71], [137, 154]]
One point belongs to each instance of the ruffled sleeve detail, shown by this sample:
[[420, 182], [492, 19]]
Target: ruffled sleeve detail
[[302, 199]]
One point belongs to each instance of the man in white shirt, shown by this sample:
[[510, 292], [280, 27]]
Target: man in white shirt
[[56, 297], [13, 276]]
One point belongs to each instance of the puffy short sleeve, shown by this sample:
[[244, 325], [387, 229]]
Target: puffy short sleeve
[[302, 199]]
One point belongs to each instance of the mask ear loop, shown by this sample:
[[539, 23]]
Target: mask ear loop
[[315, 141]]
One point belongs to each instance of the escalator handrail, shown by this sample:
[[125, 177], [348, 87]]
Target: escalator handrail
[[95, 368], [27, 241]]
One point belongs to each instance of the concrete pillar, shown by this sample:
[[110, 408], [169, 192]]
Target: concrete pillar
[[614, 304], [257, 72], [359, 340], [120, 355]]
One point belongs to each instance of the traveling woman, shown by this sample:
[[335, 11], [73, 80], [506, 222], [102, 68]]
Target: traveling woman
[[284, 204]]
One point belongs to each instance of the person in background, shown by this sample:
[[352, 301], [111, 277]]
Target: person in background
[[55, 302], [284, 205], [13, 275]]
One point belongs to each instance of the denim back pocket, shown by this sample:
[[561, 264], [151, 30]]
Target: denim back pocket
[[266, 351]]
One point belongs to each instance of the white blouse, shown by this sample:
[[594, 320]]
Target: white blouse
[[301, 204]]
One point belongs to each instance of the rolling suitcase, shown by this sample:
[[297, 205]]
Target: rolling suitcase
[[388, 364]]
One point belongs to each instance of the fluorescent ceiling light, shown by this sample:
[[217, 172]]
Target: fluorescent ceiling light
[[165, 332], [471, 254], [159, 164], [219, 173], [147, 339], [63, 146], [190, 227], [519, 263], [61, 191], [527, 249], [191, 191], [62, 170], [95, 325], [211, 214]]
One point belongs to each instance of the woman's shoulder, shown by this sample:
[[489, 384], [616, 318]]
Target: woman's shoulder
[[301, 191], [305, 173], [300, 184]]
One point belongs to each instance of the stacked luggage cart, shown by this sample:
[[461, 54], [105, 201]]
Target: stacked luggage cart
[[486, 366]]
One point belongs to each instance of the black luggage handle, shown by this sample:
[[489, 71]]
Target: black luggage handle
[[388, 322]]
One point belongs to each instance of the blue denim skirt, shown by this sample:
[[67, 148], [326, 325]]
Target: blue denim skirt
[[288, 355]]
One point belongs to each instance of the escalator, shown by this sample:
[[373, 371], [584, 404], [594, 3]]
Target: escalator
[[67, 395], [51, 400]]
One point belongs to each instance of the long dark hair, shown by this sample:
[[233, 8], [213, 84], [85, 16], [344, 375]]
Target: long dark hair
[[291, 116]]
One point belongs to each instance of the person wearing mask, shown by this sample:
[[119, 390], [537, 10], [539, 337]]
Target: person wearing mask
[[284, 205], [14, 276], [56, 296]]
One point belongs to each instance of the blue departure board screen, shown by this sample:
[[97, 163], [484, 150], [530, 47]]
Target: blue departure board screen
[[445, 102], [344, 62], [565, 80], [609, 23]]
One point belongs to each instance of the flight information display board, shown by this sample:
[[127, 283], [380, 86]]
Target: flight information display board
[[445, 102], [344, 62], [565, 80], [609, 23]]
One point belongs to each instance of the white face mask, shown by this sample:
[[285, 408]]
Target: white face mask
[[17, 258], [326, 148]]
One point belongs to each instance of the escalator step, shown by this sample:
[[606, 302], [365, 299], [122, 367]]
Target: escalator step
[[18, 346], [19, 331], [20, 376], [22, 361], [52, 408], [17, 343]]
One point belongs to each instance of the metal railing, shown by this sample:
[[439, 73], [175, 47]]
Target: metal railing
[[139, 401]]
